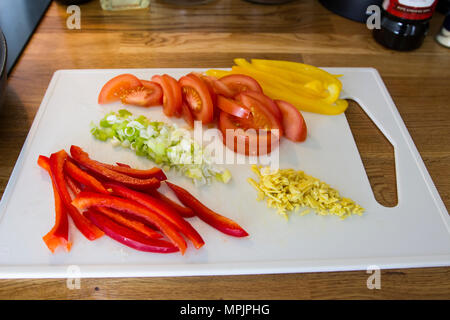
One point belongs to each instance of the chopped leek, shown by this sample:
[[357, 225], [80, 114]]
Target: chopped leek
[[162, 143]]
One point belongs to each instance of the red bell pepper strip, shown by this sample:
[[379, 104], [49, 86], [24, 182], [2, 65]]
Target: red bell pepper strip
[[137, 173], [129, 237], [123, 165], [86, 227], [83, 159], [59, 234], [183, 211], [86, 200], [83, 177], [212, 218], [73, 185], [129, 223], [161, 208]]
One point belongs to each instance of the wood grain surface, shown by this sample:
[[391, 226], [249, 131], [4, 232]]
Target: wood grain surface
[[212, 35]]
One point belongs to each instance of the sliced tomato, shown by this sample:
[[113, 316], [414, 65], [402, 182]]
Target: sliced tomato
[[261, 117], [240, 83], [240, 136], [149, 94], [155, 90], [267, 102], [257, 135], [186, 114], [208, 83], [232, 107], [293, 122], [197, 98], [218, 87], [118, 87], [171, 94]]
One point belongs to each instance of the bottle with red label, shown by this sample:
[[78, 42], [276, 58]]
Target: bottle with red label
[[404, 23]]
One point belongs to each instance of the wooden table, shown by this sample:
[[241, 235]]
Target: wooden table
[[211, 36]]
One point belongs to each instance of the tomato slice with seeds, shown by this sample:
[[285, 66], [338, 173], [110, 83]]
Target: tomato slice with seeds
[[218, 87], [293, 122], [118, 87], [155, 90], [171, 94], [240, 136], [254, 136], [197, 97], [232, 107], [208, 83], [149, 94], [240, 82], [261, 117], [267, 102]]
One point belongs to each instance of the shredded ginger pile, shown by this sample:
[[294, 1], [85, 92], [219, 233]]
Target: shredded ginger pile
[[290, 190]]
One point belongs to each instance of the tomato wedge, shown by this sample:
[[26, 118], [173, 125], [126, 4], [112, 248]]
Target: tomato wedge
[[172, 97], [237, 133], [261, 116], [240, 136], [197, 97], [208, 83], [267, 102], [293, 122], [147, 95], [117, 88], [218, 87], [232, 107], [240, 83]]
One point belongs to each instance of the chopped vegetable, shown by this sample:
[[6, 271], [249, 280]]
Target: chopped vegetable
[[86, 227], [136, 173], [306, 87], [59, 234], [162, 143], [86, 200], [118, 217], [83, 158], [212, 218], [83, 177], [183, 211], [288, 190], [129, 237], [160, 208]]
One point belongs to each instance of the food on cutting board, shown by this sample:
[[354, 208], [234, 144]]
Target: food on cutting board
[[289, 190], [162, 143], [307, 87], [124, 203], [236, 101], [255, 103]]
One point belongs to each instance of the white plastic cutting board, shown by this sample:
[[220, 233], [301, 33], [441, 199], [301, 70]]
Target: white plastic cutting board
[[415, 233]]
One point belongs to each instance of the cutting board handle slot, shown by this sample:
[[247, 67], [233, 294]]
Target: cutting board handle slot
[[377, 155]]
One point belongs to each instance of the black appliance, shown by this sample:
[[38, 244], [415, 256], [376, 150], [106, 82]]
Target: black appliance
[[351, 9]]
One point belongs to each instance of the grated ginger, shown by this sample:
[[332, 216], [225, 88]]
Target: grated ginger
[[289, 190]]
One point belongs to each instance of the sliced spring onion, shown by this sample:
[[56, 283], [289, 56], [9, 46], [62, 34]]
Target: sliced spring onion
[[161, 143]]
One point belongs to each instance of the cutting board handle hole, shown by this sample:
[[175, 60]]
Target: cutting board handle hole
[[377, 155]]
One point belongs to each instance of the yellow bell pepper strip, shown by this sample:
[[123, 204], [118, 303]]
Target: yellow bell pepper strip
[[247, 68], [277, 74], [217, 73], [291, 76], [331, 82], [312, 71], [277, 91]]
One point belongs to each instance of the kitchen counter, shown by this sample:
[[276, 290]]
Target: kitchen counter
[[211, 36]]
